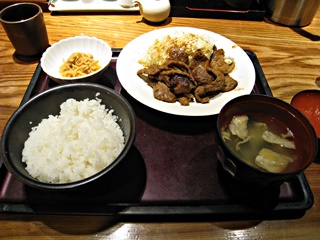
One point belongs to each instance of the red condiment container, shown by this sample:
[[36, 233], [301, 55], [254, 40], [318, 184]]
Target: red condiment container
[[308, 103]]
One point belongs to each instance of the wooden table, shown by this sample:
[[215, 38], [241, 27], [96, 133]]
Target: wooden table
[[290, 59]]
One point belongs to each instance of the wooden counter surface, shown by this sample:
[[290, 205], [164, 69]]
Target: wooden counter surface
[[290, 59]]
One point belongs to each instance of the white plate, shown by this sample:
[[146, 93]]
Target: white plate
[[88, 6], [128, 66]]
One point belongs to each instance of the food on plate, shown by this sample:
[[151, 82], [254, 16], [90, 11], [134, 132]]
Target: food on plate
[[264, 144], [78, 143], [159, 51], [186, 68], [79, 64]]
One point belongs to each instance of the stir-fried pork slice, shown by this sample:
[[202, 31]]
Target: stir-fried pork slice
[[176, 54], [202, 76], [163, 93], [218, 61], [171, 72], [152, 70], [199, 60], [177, 77], [181, 84], [204, 92], [184, 101], [176, 65], [230, 84]]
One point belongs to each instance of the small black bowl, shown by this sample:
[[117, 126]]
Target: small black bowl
[[17, 129], [271, 108]]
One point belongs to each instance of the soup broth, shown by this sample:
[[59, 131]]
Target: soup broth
[[258, 127]]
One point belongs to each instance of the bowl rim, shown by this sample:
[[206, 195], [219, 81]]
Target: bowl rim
[[30, 181], [283, 103], [299, 95], [51, 48], [306, 91]]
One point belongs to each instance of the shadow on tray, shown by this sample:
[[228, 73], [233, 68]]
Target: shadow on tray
[[265, 199], [170, 122], [125, 185]]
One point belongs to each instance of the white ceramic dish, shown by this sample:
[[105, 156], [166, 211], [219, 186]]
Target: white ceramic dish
[[88, 6], [54, 56], [127, 67]]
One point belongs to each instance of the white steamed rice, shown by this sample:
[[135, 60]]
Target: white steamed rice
[[81, 141]]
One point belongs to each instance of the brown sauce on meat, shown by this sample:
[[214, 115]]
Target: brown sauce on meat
[[184, 80]]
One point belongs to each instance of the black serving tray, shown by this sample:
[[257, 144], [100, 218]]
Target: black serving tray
[[217, 9], [171, 173]]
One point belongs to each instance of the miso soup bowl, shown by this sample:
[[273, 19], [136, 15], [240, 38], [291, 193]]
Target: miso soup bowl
[[271, 110]]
